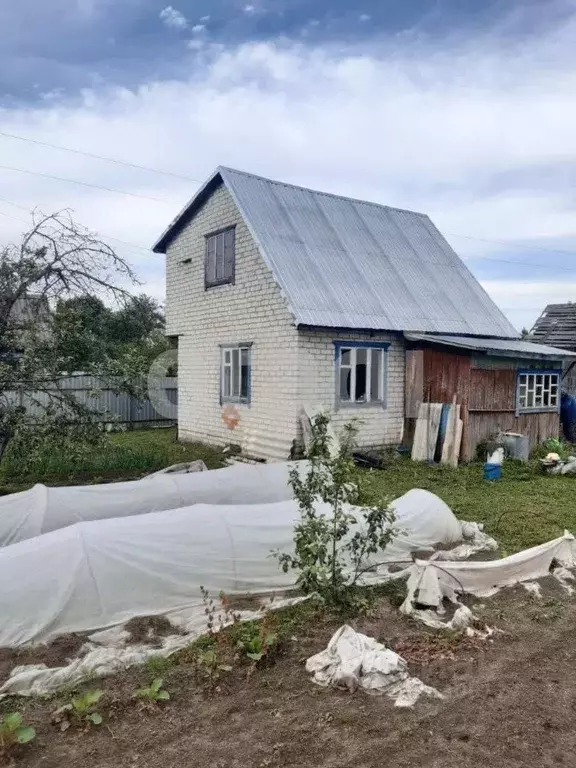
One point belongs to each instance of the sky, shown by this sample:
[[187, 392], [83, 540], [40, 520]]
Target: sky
[[461, 109]]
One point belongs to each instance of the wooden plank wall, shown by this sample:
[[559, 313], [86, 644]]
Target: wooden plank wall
[[487, 397], [492, 409]]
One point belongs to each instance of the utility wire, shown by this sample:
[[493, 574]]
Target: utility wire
[[94, 156], [86, 184], [107, 237]]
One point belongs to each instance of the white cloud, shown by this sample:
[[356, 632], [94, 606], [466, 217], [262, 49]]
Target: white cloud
[[205, 18], [364, 17], [249, 9], [451, 131], [195, 45], [173, 18], [197, 28]]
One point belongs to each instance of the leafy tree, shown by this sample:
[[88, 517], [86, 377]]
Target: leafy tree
[[58, 263], [334, 542]]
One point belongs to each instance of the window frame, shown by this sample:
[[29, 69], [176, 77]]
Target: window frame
[[520, 409], [380, 346], [231, 279], [243, 346]]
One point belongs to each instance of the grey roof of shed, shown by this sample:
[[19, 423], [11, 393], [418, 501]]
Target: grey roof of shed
[[348, 263], [557, 325], [505, 347]]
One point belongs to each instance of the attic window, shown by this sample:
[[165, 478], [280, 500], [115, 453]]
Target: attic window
[[220, 258], [538, 391]]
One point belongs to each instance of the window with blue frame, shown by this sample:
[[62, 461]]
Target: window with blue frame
[[361, 373], [538, 391], [235, 372]]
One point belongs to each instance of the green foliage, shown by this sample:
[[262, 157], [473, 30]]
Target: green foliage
[[80, 711], [154, 692], [210, 665], [157, 666], [14, 732], [255, 639], [554, 445], [332, 545]]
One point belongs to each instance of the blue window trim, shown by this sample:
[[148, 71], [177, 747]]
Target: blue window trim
[[236, 400], [341, 344], [537, 371]]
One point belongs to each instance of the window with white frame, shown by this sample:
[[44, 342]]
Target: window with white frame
[[538, 390], [235, 371], [361, 373]]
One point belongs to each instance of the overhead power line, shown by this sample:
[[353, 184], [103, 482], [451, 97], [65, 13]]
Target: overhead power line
[[86, 184], [508, 244], [108, 237], [94, 156]]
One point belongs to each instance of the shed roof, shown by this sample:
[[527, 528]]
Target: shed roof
[[348, 263], [502, 347], [556, 325]]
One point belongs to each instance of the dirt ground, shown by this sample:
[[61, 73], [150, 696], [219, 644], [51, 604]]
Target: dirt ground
[[510, 701]]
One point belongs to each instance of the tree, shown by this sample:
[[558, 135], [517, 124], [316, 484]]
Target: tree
[[57, 260], [333, 542]]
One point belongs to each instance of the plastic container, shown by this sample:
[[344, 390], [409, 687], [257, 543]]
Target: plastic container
[[492, 471]]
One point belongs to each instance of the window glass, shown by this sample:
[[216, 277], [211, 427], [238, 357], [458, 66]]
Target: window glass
[[360, 375], [235, 374]]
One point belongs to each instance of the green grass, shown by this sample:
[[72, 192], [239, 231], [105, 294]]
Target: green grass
[[124, 456], [521, 510]]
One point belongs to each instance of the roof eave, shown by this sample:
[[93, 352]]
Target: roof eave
[[182, 218]]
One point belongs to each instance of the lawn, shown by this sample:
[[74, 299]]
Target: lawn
[[124, 456], [522, 509]]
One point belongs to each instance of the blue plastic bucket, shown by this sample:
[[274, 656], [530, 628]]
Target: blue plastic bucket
[[492, 471]]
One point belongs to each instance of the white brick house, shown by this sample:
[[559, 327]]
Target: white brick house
[[281, 296]]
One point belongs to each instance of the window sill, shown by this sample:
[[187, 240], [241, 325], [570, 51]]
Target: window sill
[[353, 406], [233, 401], [525, 411], [207, 286]]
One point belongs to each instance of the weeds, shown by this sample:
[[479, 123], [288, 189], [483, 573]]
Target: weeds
[[13, 733], [81, 711], [158, 666], [210, 666], [153, 693]]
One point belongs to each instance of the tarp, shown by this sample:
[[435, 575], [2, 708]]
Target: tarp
[[42, 509], [102, 573]]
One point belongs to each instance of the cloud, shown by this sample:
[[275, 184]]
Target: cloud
[[364, 17], [173, 18], [205, 18], [481, 140], [197, 28], [249, 9]]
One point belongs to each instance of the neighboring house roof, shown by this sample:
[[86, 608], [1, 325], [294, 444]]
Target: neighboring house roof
[[348, 263], [556, 325], [500, 347]]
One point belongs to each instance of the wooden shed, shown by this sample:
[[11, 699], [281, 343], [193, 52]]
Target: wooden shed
[[501, 385]]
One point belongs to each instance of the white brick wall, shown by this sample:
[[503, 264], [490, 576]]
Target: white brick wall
[[288, 367], [378, 426], [251, 310]]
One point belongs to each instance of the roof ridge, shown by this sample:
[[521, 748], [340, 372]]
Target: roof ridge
[[225, 168]]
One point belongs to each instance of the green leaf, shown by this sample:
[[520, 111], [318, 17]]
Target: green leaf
[[13, 720], [25, 734], [163, 696], [156, 684], [95, 718], [92, 697], [255, 656]]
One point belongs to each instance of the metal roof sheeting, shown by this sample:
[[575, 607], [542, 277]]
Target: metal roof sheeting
[[507, 347], [351, 264]]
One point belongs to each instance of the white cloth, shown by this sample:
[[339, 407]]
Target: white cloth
[[42, 509], [99, 574], [353, 660]]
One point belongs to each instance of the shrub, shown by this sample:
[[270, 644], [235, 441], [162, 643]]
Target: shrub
[[332, 544]]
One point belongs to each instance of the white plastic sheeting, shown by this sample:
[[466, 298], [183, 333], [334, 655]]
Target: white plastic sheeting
[[42, 509], [353, 660], [102, 573], [431, 581]]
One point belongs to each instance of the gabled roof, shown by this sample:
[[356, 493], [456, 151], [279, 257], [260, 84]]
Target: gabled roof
[[497, 347], [556, 325], [345, 263]]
